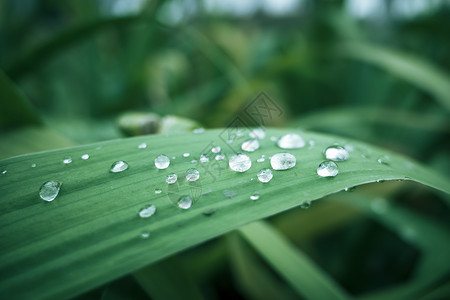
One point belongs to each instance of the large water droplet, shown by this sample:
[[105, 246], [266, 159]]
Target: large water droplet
[[142, 146], [204, 158], [147, 211], [171, 178], [336, 153], [184, 202], [198, 130], [192, 175], [85, 156], [67, 160], [240, 162], [265, 175], [327, 168], [258, 133], [283, 161], [162, 162], [250, 145], [49, 190], [118, 166], [291, 141], [254, 196], [216, 149]]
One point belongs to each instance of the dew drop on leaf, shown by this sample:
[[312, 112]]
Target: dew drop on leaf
[[198, 130], [216, 149], [283, 161], [305, 205], [118, 166], [158, 191], [147, 211], [291, 141], [187, 154], [240, 162], [67, 160], [192, 175], [50, 190], [171, 178], [327, 168], [162, 162], [250, 145], [142, 146], [204, 158], [336, 153], [85, 156], [254, 196], [265, 175], [257, 133], [145, 234], [220, 156], [184, 202]]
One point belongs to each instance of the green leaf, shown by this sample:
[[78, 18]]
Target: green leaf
[[413, 69], [91, 233], [301, 273]]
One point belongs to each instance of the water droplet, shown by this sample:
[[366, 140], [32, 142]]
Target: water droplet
[[49, 190], [283, 161], [250, 145], [336, 153], [305, 205], [33, 165], [254, 196], [204, 158], [194, 161], [184, 202], [118, 166], [380, 180], [162, 162], [4, 172], [147, 211], [261, 159], [192, 175], [258, 133], [229, 194], [291, 141], [85, 156], [265, 175], [142, 146], [349, 189], [67, 160], [311, 144], [273, 138], [240, 162], [187, 154], [383, 159], [171, 178], [174, 157], [145, 234], [209, 212], [220, 156], [327, 168], [198, 130], [158, 191], [216, 149]]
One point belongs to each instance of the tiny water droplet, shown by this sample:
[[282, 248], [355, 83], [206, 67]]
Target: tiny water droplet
[[229, 194], [184, 202], [4, 172], [383, 159], [311, 144], [145, 234], [336, 153], [67, 160], [171, 178], [265, 175], [240, 162], [254, 196], [192, 175], [305, 205], [291, 141], [33, 165], [147, 211], [49, 190], [187, 154], [216, 149], [158, 191], [142, 146], [194, 161], [257, 133], [162, 162], [118, 166], [273, 138], [220, 156], [209, 212], [283, 161], [198, 130], [380, 180], [85, 156], [250, 145], [327, 168], [204, 158], [261, 159], [350, 189]]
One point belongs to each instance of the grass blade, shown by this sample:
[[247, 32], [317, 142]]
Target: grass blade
[[91, 233]]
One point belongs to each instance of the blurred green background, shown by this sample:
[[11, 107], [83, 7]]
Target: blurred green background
[[375, 70]]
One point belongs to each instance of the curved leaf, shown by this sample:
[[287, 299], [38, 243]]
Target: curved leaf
[[91, 233]]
